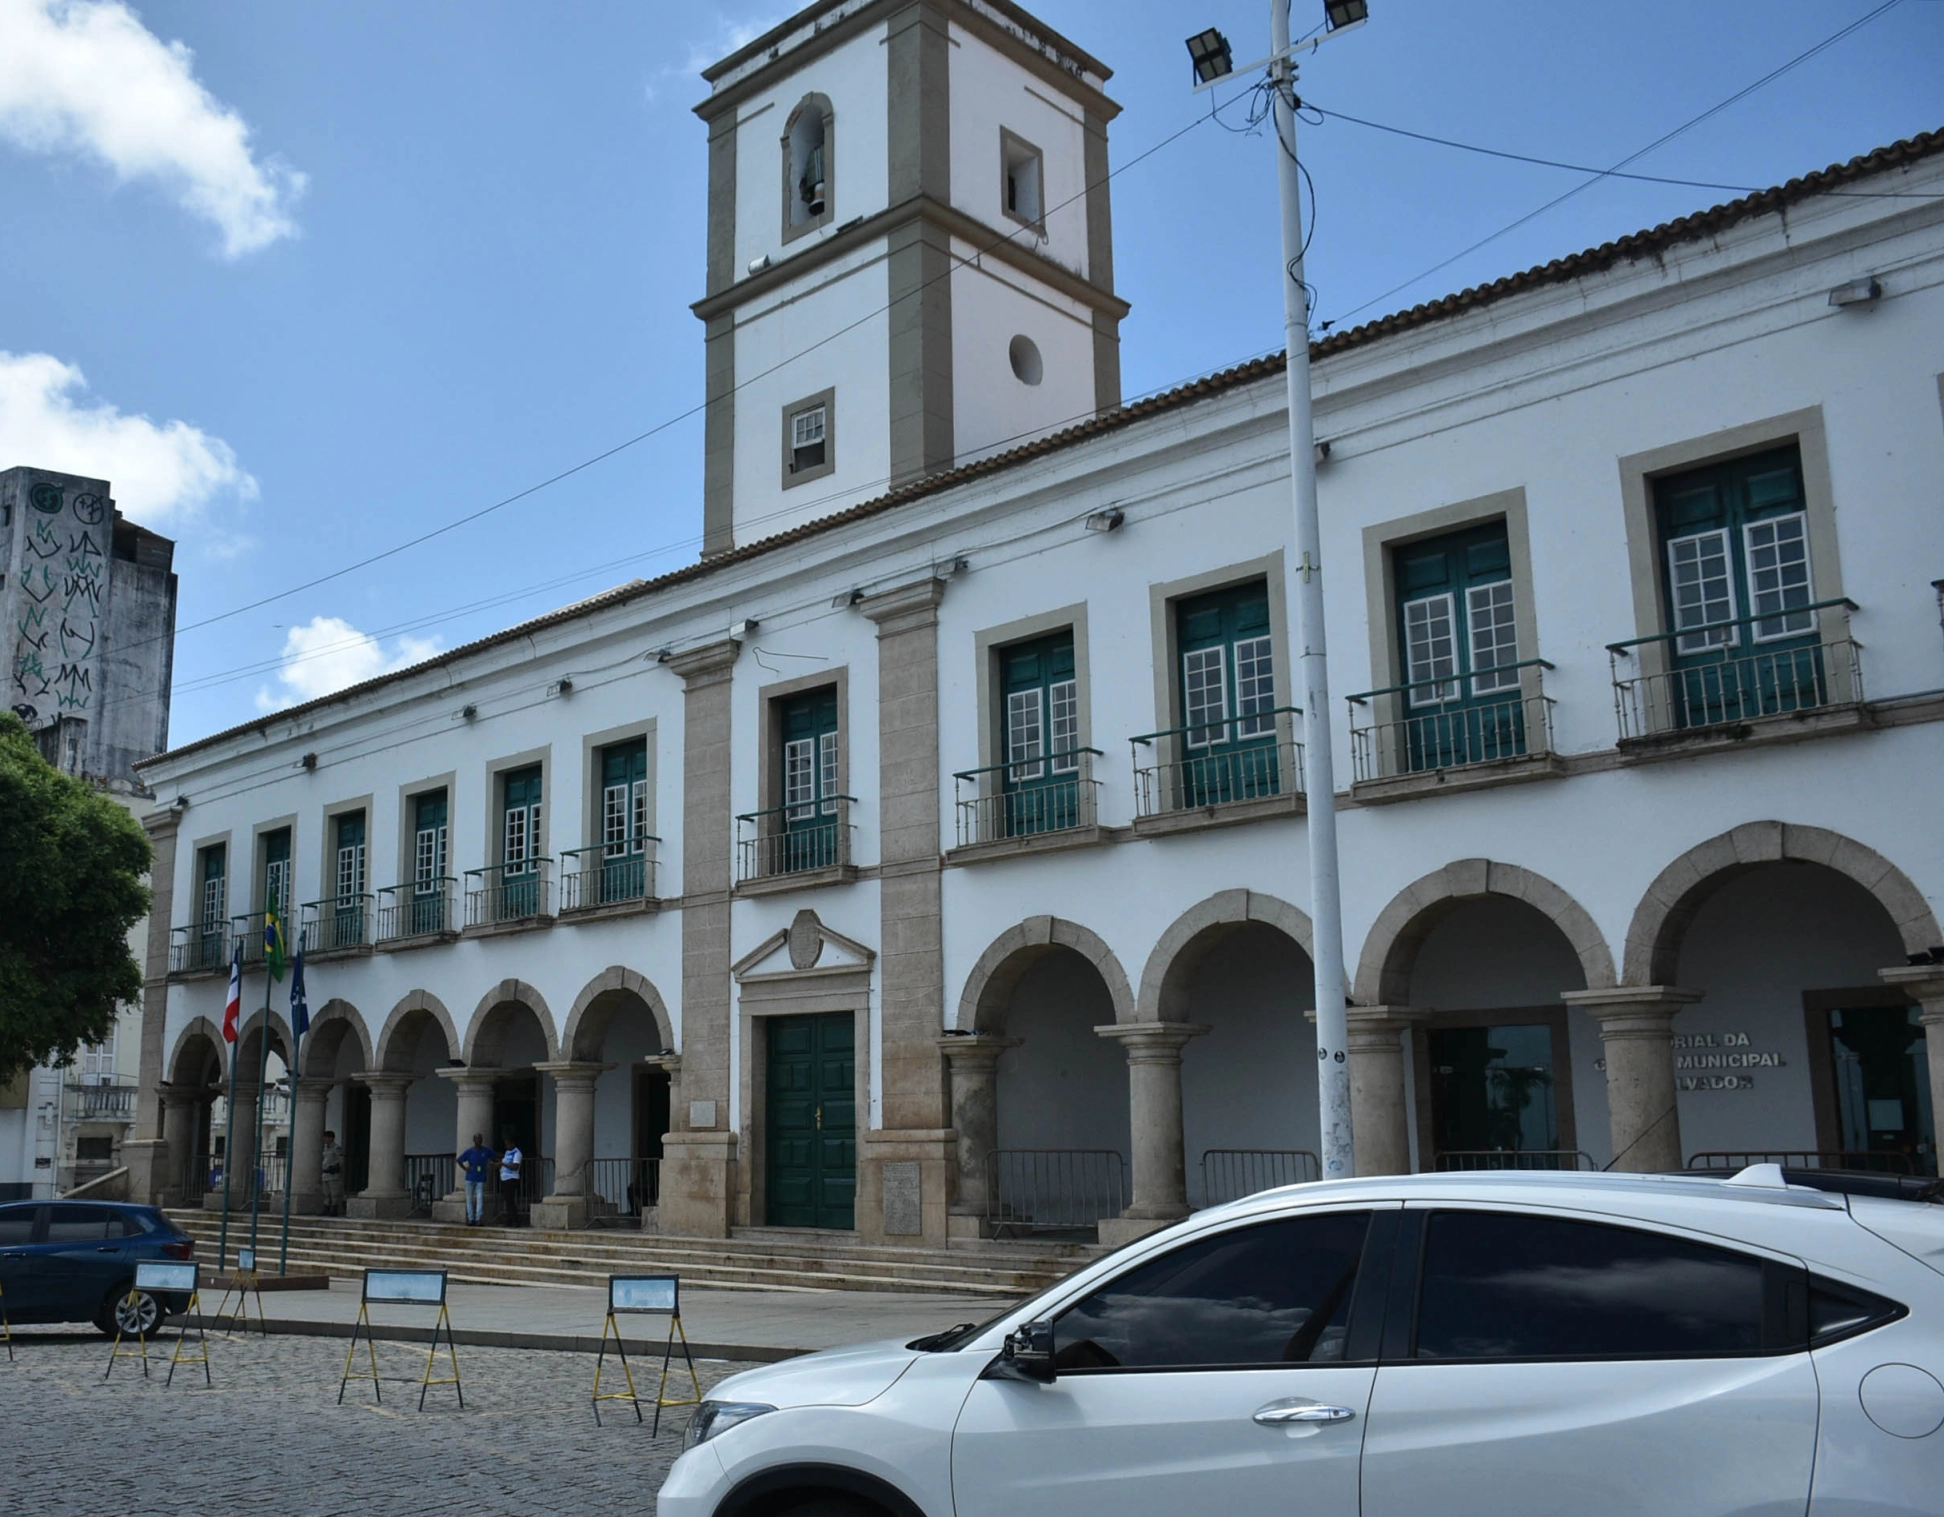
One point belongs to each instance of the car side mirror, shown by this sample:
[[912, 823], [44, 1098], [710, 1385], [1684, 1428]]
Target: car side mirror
[[1028, 1355]]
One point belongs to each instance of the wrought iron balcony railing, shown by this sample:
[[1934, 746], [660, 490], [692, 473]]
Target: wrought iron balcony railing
[[509, 892], [1786, 663], [112, 1100], [419, 909], [340, 922], [1451, 723], [199, 946], [1028, 797], [794, 839], [246, 932], [608, 874], [1250, 758]]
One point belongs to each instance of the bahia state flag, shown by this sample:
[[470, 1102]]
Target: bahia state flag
[[233, 1012], [299, 1002], [273, 940]]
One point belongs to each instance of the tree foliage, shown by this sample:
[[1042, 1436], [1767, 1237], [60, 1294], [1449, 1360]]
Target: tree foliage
[[71, 886]]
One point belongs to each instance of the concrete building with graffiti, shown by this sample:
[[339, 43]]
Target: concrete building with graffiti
[[87, 629], [928, 862]]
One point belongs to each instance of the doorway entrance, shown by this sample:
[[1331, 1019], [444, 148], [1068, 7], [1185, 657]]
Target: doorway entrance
[[651, 1094], [356, 1138], [1496, 1090], [1878, 1055], [811, 1111]]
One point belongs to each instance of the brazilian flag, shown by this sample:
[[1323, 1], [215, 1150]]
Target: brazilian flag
[[273, 940]]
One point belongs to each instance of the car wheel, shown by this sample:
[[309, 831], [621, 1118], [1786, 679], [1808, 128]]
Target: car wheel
[[834, 1506], [133, 1314]]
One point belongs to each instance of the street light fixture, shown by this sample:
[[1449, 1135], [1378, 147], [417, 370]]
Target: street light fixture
[[1326, 906], [1211, 55]]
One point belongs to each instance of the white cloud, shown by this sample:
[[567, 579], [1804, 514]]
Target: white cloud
[[163, 473], [328, 654], [85, 77], [727, 38]]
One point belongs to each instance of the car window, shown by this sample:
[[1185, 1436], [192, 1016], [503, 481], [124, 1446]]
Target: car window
[[1275, 1293], [17, 1225], [1507, 1285], [82, 1224]]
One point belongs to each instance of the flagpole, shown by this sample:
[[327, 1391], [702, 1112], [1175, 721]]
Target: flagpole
[[229, 1166], [263, 1074], [297, 1026]]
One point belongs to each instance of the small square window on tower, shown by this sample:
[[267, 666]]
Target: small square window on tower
[[1022, 170], [809, 438]]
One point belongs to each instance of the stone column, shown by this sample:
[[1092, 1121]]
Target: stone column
[[384, 1195], [1924, 984], [1380, 1104], [153, 1167], [1637, 1032], [567, 1205], [974, 1062], [179, 1104], [307, 1143], [1154, 1107], [475, 1102], [699, 1154]]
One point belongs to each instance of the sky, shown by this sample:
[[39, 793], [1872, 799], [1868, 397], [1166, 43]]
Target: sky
[[306, 282]]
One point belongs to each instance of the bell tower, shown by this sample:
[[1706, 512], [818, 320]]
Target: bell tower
[[910, 253]]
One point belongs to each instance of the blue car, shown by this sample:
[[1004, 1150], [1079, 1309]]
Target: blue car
[[74, 1261]]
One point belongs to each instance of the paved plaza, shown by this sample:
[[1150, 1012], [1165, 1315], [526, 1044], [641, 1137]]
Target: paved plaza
[[269, 1438]]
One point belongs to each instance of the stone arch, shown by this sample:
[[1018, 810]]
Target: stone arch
[[1661, 920], [517, 992], [208, 1031], [587, 1024], [390, 1055], [337, 1020], [989, 987], [253, 1022], [1194, 935], [1390, 949], [813, 121]]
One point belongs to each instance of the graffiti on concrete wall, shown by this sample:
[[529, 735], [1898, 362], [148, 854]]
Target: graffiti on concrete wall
[[61, 599]]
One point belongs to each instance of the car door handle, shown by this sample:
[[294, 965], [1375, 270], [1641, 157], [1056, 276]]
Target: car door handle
[[1281, 1413], [107, 1248]]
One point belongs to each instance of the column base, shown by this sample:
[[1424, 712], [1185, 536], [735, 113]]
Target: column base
[[966, 1224], [147, 1160], [306, 1203], [903, 1184], [559, 1214], [1116, 1231], [451, 1207], [698, 1184], [370, 1208]]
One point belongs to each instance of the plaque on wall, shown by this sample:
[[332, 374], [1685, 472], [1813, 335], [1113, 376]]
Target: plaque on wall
[[903, 1213], [702, 1115]]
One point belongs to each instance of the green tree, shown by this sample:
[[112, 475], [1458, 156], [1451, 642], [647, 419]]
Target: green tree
[[71, 868]]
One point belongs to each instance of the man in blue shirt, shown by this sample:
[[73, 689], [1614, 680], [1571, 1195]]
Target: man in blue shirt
[[477, 1162]]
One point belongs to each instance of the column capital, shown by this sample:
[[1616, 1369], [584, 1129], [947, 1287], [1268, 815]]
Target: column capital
[[974, 1050], [1377, 1027], [1924, 984], [314, 1087], [1152, 1042], [1633, 1011], [708, 665], [906, 607], [670, 1061], [186, 1093], [572, 1073], [462, 1076], [384, 1085]]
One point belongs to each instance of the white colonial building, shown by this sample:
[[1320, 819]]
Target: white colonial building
[[930, 857]]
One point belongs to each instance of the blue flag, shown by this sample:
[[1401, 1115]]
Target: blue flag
[[299, 1007]]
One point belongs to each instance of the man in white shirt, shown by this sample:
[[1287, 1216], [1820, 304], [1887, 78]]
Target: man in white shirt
[[509, 1173]]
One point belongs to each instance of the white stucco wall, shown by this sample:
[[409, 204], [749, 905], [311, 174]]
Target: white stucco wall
[[992, 409]]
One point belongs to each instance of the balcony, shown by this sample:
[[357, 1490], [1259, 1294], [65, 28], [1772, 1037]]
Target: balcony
[[111, 1099], [1028, 805], [1779, 677], [424, 911], [340, 925], [203, 948], [246, 932], [508, 897], [1451, 734], [1235, 771], [609, 879], [790, 847]]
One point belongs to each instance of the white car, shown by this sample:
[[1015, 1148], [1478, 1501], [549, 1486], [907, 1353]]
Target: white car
[[1504, 1345]]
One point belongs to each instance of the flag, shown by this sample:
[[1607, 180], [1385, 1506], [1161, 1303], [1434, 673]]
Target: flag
[[234, 1010], [299, 1005], [273, 940]]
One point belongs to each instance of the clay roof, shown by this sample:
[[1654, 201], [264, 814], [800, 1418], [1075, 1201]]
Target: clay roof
[[1643, 244]]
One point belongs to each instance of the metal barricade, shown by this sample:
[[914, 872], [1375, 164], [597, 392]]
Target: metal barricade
[[1053, 1189], [1865, 1161], [1228, 1174], [429, 1178], [1513, 1158]]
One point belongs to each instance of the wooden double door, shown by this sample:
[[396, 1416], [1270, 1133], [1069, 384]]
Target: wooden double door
[[811, 1121]]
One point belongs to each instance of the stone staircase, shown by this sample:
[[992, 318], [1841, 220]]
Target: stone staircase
[[753, 1259]]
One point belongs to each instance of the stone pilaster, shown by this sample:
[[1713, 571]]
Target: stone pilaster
[[475, 1103], [567, 1205], [698, 1167], [1637, 1033], [1160, 1180], [179, 1103], [152, 1168], [1380, 1105], [384, 1194], [307, 1143], [974, 1062], [1924, 984]]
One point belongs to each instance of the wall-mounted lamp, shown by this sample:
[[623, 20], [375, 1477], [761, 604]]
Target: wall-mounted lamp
[[562, 686], [663, 655], [1106, 521], [1858, 292], [467, 713], [757, 265], [742, 629], [958, 566], [1322, 452], [179, 805], [845, 601], [309, 761]]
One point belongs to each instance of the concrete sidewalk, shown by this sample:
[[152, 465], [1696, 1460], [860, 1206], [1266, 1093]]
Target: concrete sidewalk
[[721, 1324]]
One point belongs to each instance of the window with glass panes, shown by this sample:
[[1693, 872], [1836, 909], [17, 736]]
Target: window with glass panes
[[521, 844], [349, 880], [429, 861], [624, 820], [276, 872], [212, 905], [1737, 585], [806, 725], [1458, 641], [1040, 707], [1228, 696]]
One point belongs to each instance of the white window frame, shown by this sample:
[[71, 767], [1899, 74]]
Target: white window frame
[[428, 858], [1063, 725], [1500, 619], [1025, 735], [1255, 686], [799, 778], [1442, 685], [1805, 621], [351, 871], [827, 772], [520, 837], [809, 426], [1204, 730], [276, 885], [1722, 637], [215, 898]]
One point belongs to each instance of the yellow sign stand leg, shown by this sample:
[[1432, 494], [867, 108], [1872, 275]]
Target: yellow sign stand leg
[[432, 1355], [661, 1396], [133, 1302], [362, 1325], [202, 1338], [6, 1327], [244, 1282], [611, 1326]]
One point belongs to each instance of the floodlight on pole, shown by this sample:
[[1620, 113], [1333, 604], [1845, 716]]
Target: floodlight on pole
[[1210, 53], [1341, 13]]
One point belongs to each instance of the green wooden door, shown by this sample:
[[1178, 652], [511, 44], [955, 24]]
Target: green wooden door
[[213, 908], [812, 1121], [624, 823], [808, 724], [348, 919], [1228, 697], [520, 844], [1457, 631], [430, 901], [1041, 780]]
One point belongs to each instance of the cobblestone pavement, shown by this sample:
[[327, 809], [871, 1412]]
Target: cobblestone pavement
[[269, 1438]]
